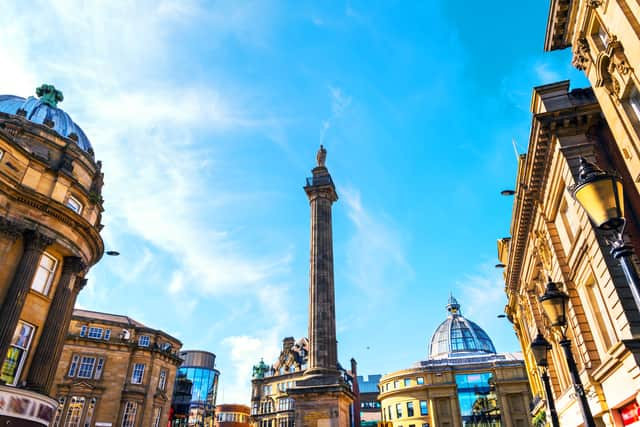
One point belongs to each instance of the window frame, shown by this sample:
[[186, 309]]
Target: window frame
[[107, 334], [129, 413], [51, 273], [99, 368], [162, 380], [82, 367], [146, 339], [133, 373], [73, 366], [95, 328], [23, 348], [71, 200]]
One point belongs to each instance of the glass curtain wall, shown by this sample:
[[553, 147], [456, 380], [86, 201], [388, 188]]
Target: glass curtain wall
[[478, 402]]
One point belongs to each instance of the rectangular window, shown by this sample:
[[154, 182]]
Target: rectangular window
[[420, 380], [138, 373], [74, 204], [389, 411], [634, 102], [407, 382], [86, 367], [425, 425], [162, 381], [83, 330], [73, 366], [17, 353], [396, 384], [61, 401], [99, 368], [95, 333], [44, 274], [143, 340], [424, 410], [409, 409], [90, 409], [107, 334], [157, 411], [129, 414], [399, 410], [74, 412]]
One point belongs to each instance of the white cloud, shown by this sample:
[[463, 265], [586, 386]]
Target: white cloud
[[339, 101], [375, 252], [545, 74]]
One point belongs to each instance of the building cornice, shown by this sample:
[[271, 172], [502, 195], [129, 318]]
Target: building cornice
[[557, 25]]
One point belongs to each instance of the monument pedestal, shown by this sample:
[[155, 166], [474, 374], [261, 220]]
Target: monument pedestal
[[322, 405]]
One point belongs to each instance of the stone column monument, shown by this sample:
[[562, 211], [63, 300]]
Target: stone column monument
[[322, 397]]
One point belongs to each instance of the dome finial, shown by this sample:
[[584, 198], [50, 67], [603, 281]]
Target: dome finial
[[453, 307], [49, 95]]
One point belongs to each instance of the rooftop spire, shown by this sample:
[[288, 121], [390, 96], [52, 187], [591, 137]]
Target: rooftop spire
[[49, 95], [453, 306]]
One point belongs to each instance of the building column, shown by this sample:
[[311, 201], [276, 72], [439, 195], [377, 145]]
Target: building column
[[47, 355], [34, 245]]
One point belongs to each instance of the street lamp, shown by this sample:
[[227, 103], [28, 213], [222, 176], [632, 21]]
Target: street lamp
[[539, 348], [601, 195], [554, 303]]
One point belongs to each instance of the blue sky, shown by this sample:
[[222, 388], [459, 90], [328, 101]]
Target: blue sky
[[207, 117]]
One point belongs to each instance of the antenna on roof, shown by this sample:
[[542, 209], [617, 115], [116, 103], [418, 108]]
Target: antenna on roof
[[515, 148]]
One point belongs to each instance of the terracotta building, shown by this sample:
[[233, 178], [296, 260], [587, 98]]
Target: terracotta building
[[553, 243], [115, 371], [232, 415], [463, 382], [50, 219]]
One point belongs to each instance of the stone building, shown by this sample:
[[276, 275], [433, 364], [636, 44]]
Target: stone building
[[232, 415], [552, 239], [50, 219], [463, 382], [604, 36], [115, 371]]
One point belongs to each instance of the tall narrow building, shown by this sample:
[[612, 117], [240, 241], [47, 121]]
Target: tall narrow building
[[322, 396]]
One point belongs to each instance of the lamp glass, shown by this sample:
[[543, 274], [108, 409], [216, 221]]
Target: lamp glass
[[602, 198], [554, 308], [539, 349]]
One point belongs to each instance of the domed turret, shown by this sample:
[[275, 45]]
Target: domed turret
[[44, 111], [458, 336]]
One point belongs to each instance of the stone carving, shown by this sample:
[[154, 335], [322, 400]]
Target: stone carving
[[543, 249], [73, 265], [80, 283], [10, 229], [321, 157], [36, 241], [612, 67], [49, 95], [581, 55], [594, 4], [95, 191]]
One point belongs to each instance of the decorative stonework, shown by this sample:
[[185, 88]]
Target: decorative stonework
[[581, 55], [612, 68], [594, 4], [10, 229], [543, 249]]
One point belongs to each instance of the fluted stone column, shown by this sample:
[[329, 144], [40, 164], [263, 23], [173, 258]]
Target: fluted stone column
[[47, 355], [34, 245], [323, 357]]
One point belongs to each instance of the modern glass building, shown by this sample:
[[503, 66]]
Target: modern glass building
[[194, 399]]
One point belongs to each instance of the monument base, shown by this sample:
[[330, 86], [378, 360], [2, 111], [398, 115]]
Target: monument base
[[322, 405]]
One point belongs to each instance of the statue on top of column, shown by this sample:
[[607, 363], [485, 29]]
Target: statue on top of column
[[321, 157]]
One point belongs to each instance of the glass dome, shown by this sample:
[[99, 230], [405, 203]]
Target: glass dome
[[43, 110], [457, 336]]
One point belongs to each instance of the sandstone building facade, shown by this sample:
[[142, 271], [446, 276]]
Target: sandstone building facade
[[552, 239], [115, 371], [232, 415], [50, 219], [463, 382]]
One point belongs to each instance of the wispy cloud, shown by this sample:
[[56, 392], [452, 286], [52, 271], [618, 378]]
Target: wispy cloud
[[546, 74], [375, 250], [340, 102]]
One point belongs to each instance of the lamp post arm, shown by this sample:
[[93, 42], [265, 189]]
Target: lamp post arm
[[550, 403], [623, 252], [577, 384]]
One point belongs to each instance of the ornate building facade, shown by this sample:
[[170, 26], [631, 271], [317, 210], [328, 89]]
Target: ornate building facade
[[115, 371], [552, 239], [50, 219], [463, 383], [604, 36]]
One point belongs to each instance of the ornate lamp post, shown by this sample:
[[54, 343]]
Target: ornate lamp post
[[554, 303], [601, 195], [539, 348]]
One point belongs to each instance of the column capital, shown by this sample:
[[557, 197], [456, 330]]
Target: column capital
[[36, 241], [80, 283], [10, 228], [73, 265]]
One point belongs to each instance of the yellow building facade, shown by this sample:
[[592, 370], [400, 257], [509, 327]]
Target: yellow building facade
[[552, 239], [463, 383], [604, 36], [50, 219], [115, 371]]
